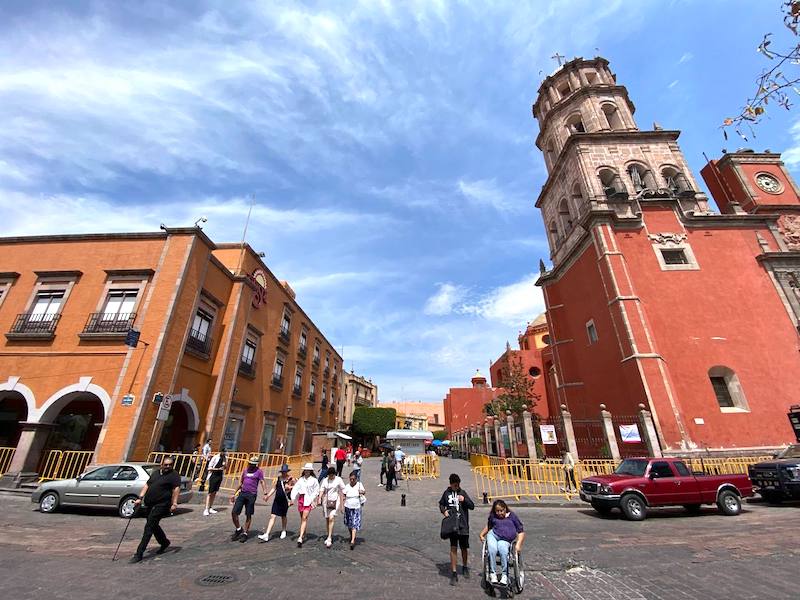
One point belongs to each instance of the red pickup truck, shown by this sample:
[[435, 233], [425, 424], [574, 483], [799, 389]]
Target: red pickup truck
[[640, 483]]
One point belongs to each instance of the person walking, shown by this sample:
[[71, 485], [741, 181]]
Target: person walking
[[195, 465], [569, 472], [160, 494], [340, 457], [354, 498], [216, 470], [206, 452], [384, 465], [324, 468], [391, 474], [399, 457], [245, 498], [280, 505], [358, 461], [331, 496], [456, 501], [305, 492]]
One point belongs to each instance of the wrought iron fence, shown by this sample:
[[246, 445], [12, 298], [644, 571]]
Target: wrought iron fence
[[35, 323], [199, 342], [247, 368], [109, 323]]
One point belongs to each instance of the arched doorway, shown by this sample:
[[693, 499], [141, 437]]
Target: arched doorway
[[176, 427], [77, 418], [13, 412]]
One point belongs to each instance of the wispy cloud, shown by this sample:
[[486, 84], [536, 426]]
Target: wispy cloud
[[445, 299], [685, 57], [673, 84], [512, 304]]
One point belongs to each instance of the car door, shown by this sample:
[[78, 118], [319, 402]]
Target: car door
[[123, 482], [90, 486], [662, 488], [688, 488]]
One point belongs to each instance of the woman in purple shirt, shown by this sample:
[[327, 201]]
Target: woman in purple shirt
[[502, 529]]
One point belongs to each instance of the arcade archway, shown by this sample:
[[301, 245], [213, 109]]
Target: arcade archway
[[13, 412], [77, 418]]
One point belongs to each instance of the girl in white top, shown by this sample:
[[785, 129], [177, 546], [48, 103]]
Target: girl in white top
[[331, 497], [305, 492], [354, 498]]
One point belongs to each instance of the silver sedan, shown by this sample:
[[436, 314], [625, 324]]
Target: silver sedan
[[109, 486]]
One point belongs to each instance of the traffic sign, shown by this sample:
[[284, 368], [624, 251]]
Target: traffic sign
[[158, 397], [164, 408], [132, 338], [127, 399]]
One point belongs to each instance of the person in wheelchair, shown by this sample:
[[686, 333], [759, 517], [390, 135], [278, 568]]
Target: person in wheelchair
[[503, 529]]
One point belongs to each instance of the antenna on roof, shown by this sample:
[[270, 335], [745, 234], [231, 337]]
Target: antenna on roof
[[244, 233]]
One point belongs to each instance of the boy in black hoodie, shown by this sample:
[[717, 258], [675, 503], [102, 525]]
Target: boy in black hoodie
[[454, 499]]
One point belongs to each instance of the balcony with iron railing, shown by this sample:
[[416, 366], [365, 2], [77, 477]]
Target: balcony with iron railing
[[315, 362], [277, 382], [284, 335], [34, 326], [248, 369], [108, 325], [199, 343], [297, 391], [312, 398], [326, 372], [302, 351]]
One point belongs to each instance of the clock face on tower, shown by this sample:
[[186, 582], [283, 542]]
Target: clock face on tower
[[768, 183]]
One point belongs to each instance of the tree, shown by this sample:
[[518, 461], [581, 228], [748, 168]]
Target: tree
[[368, 421], [440, 435], [773, 84], [517, 388]]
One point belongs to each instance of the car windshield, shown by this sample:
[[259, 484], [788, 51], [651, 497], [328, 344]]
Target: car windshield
[[632, 466], [150, 468], [792, 451]]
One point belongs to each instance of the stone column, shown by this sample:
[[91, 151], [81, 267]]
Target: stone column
[[569, 433], [498, 438], [512, 441], [648, 432], [529, 438], [27, 456], [608, 429], [573, 80], [488, 435]]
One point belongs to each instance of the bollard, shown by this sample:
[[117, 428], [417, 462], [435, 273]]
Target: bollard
[[485, 498], [402, 499]]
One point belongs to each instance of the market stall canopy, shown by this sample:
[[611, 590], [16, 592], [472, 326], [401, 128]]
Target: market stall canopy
[[408, 434]]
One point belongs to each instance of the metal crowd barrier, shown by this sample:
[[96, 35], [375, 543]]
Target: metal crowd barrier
[[421, 467], [724, 466], [6, 456], [65, 464]]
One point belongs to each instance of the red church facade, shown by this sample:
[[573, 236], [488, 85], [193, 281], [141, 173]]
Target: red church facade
[[653, 298]]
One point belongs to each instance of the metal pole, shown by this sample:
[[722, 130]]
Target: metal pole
[[122, 538]]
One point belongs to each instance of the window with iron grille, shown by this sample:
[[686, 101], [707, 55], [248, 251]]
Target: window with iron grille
[[721, 391], [119, 304], [675, 257], [46, 305], [277, 371], [286, 324], [249, 352]]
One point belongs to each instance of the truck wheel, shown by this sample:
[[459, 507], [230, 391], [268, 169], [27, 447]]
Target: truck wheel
[[601, 508], [692, 508], [729, 503], [633, 507]]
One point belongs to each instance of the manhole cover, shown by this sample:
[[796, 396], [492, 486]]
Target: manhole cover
[[215, 579]]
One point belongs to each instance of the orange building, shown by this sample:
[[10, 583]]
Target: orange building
[[429, 413], [463, 407], [219, 333], [652, 298], [532, 342]]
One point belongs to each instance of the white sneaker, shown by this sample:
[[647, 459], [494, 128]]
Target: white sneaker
[[493, 577], [503, 579], [328, 543], [212, 511], [283, 535], [206, 513], [264, 537]]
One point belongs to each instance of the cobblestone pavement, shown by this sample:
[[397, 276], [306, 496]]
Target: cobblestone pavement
[[570, 553]]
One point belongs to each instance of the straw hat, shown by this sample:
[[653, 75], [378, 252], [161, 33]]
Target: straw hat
[[308, 467]]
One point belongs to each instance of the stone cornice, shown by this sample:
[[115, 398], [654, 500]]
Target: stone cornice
[[766, 158], [600, 136]]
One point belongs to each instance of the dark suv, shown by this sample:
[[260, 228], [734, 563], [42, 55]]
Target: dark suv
[[778, 479]]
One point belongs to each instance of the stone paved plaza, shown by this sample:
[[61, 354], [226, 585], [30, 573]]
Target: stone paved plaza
[[570, 553]]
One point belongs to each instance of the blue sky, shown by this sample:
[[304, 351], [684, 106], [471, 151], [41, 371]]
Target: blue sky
[[389, 145]]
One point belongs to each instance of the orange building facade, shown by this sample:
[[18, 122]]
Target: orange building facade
[[652, 298], [241, 362], [463, 407]]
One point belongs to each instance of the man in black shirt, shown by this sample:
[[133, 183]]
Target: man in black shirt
[[454, 500], [160, 493]]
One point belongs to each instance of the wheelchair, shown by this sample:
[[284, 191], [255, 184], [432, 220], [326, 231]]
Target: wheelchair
[[516, 573]]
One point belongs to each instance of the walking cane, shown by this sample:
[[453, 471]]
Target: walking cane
[[122, 538]]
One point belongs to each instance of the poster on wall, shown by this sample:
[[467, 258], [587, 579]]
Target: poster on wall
[[630, 434], [548, 434], [518, 434]]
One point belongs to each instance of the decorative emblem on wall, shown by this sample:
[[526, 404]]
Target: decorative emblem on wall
[[667, 239], [260, 279], [789, 226]]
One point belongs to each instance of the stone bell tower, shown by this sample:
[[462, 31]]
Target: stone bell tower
[[652, 299]]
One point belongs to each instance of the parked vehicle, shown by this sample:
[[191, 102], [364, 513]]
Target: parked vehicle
[[110, 486], [642, 483], [778, 479]]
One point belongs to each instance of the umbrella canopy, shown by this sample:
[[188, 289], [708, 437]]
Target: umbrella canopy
[[386, 446], [436, 443]]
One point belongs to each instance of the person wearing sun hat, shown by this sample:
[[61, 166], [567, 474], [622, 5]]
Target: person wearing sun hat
[[305, 492], [280, 505], [245, 498]]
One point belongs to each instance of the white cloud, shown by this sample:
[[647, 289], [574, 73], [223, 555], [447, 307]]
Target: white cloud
[[791, 156], [444, 300], [484, 192], [673, 84], [686, 57], [512, 304]]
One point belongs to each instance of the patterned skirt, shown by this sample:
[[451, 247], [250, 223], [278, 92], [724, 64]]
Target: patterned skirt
[[352, 518]]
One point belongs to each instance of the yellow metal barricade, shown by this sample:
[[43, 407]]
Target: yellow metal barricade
[[6, 456], [421, 467], [521, 480], [724, 466], [65, 464]]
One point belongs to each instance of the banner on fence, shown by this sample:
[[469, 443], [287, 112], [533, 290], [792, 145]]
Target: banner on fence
[[548, 434], [630, 434]]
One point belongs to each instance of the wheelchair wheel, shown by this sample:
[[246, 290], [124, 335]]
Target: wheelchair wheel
[[517, 583]]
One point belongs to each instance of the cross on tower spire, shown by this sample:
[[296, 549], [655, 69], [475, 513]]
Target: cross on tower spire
[[559, 57]]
